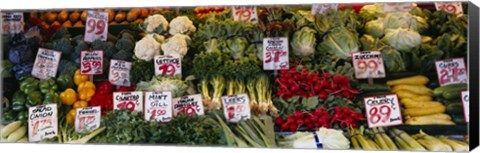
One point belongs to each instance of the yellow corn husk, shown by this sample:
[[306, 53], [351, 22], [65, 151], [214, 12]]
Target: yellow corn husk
[[412, 112], [409, 103], [457, 146], [387, 139], [417, 89], [400, 142], [355, 143], [431, 143], [379, 140], [414, 145]]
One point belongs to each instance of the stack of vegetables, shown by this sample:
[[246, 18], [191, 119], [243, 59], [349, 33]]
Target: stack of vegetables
[[450, 95]]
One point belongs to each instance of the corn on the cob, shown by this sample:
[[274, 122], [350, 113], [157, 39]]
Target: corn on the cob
[[430, 142], [373, 144], [387, 139], [355, 143], [409, 140], [456, 145], [379, 140]]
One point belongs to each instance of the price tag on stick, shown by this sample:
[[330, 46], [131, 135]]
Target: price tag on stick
[[42, 122], [383, 111], [12, 22], [245, 13], [119, 72], [275, 53], [466, 105], [158, 106], [96, 26], [236, 107], [368, 65], [323, 8], [46, 63], [451, 7], [397, 7], [451, 71], [87, 119], [167, 65], [132, 101], [91, 62], [190, 105]]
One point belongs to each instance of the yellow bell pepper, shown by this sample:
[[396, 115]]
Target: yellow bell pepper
[[79, 78], [80, 104], [86, 85], [86, 90], [68, 97], [71, 116]]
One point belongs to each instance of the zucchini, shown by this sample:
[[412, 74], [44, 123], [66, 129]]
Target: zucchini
[[455, 108], [373, 87], [7, 130], [458, 119], [17, 134], [440, 90], [452, 94]]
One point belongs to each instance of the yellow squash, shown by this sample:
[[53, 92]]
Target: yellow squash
[[417, 89], [413, 112], [409, 103], [414, 80]]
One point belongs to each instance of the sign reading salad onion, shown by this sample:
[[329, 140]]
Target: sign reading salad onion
[[368, 64], [42, 122]]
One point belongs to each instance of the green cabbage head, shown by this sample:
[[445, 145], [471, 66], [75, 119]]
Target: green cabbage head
[[375, 28], [403, 40], [340, 42], [304, 42]]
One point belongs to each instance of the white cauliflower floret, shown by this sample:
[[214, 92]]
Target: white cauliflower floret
[[182, 25], [148, 47], [176, 45], [155, 24]]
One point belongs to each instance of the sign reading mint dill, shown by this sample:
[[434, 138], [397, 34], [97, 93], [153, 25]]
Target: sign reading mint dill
[[158, 106], [42, 122], [12, 22], [189, 105]]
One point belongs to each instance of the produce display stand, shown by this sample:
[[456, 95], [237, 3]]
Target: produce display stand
[[202, 70]]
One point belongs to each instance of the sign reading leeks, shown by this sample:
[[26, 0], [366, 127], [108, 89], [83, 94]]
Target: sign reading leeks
[[46, 63], [158, 106], [42, 122], [236, 107]]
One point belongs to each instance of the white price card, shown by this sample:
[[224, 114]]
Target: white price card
[[383, 111], [368, 64], [158, 106], [451, 7], [42, 122], [466, 105], [12, 22], [323, 8], [275, 53], [46, 63], [87, 119], [96, 26], [236, 107], [397, 7], [168, 65], [91, 62], [119, 73], [132, 101], [190, 105], [245, 13], [451, 71]]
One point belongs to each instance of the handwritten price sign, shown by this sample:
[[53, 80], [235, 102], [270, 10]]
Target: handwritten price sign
[[91, 62], [87, 119], [12, 22], [190, 105], [451, 71], [466, 105], [97, 26], [132, 101], [46, 63], [236, 107], [245, 13], [168, 65], [323, 8], [275, 53], [368, 64], [42, 122], [383, 111], [119, 72], [451, 7], [397, 7], [158, 106]]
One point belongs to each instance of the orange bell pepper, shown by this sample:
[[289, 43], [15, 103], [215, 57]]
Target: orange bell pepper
[[80, 104], [71, 116], [68, 97], [86, 90], [79, 78]]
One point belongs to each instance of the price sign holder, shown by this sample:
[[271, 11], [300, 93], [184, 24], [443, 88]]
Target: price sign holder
[[87, 119], [368, 65], [275, 54], [451, 7], [190, 105], [119, 73], [46, 63], [132, 101], [466, 105], [397, 7], [42, 122], [158, 106], [91, 63], [12, 22], [451, 71], [323, 8], [168, 65], [245, 13], [383, 111], [96, 26], [236, 107]]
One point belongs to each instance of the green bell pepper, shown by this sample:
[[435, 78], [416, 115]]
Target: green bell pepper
[[48, 85], [33, 86], [22, 116], [18, 101], [52, 98], [65, 81], [8, 117], [34, 98], [24, 76], [25, 82]]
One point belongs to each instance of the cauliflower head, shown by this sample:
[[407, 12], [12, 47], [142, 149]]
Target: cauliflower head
[[182, 25], [155, 24], [148, 47], [176, 45]]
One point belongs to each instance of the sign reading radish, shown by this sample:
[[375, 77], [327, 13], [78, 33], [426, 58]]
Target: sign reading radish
[[168, 65], [158, 106], [323, 8], [451, 71], [46, 63], [245, 13], [368, 64], [96, 26], [132, 101], [190, 105], [12, 22], [91, 62], [383, 111], [236, 107], [394, 7], [466, 105], [119, 72], [275, 53], [42, 122], [87, 119], [451, 7]]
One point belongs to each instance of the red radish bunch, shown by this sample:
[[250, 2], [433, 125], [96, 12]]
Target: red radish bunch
[[305, 84], [320, 118]]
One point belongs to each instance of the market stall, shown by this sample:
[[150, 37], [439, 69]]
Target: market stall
[[383, 76]]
